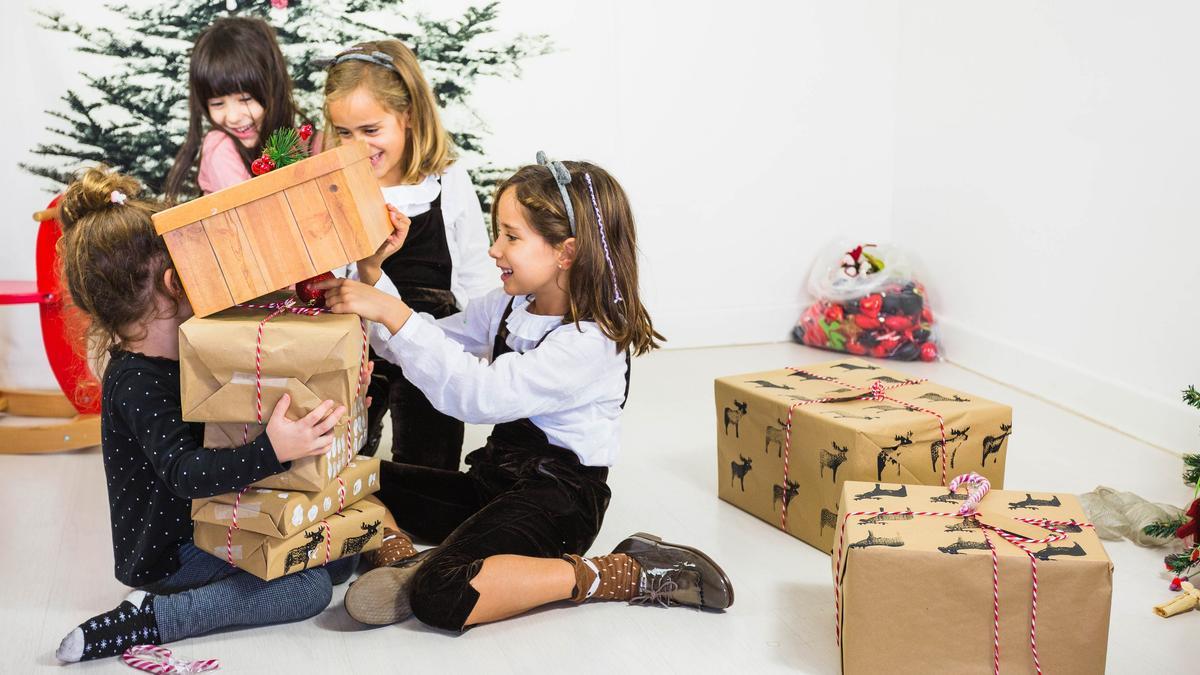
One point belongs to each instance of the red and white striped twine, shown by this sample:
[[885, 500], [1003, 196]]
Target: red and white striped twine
[[156, 659], [1014, 539], [875, 393], [233, 525]]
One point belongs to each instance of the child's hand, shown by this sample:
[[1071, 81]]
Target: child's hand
[[346, 296], [371, 267], [309, 436]]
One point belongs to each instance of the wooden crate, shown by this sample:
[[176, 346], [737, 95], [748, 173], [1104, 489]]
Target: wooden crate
[[276, 229]]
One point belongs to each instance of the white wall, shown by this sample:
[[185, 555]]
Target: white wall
[[1046, 172], [1039, 158]]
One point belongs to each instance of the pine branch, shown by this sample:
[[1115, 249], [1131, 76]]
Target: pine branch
[[1191, 469], [1191, 396], [1164, 529], [1180, 563]]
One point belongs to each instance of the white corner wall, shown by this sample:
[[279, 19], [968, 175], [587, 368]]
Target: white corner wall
[[1046, 172]]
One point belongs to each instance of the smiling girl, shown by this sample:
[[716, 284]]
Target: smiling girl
[[375, 93], [239, 89]]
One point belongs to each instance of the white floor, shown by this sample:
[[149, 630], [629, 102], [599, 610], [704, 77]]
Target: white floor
[[58, 561]]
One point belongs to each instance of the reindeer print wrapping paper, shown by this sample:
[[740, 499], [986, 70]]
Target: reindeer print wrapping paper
[[357, 529], [916, 592], [282, 513], [313, 358], [310, 474], [849, 439]]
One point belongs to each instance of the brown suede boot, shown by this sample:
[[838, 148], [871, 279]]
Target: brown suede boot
[[396, 546], [606, 577]]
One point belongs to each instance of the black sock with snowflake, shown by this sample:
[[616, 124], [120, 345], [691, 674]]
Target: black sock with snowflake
[[111, 633]]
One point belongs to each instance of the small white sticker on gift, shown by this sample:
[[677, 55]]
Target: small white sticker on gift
[[358, 486]]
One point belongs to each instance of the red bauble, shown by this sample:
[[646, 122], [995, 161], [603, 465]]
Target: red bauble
[[866, 322], [898, 322], [310, 295], [929, 351], [926, 315], [306, 132], [854, 348], [258, 167], [871, 304], [1175, 585], [881, 351], [834, 312]]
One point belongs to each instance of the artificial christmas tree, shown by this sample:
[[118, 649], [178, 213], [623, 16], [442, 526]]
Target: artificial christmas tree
[[135, 117]]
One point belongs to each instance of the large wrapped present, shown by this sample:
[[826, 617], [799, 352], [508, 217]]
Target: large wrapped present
[[280, 513], [788, 438], [310, 473], [236, 364], [358, 528], [922, 588], [273, 230]]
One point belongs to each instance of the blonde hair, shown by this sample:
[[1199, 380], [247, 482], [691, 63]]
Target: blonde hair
[[427, 147], [112, 260], [590, 287]]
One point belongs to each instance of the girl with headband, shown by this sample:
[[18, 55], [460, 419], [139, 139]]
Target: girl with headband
[[546, 360]]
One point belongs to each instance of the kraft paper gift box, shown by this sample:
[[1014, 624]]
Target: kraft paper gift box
[[309, 474], [850, 437], [357, 529], [282, 513], [915, 592], [313, 358]]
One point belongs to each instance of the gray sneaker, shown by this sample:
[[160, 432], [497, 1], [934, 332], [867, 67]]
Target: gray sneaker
[[380, 597], [676, 575]]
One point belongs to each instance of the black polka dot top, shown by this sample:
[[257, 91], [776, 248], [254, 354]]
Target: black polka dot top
[[156, 463]]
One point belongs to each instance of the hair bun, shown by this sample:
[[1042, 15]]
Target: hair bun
[[92, 192]]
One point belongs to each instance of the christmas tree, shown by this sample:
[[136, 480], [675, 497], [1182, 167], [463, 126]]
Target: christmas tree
[[135, 118], [1184, 563]]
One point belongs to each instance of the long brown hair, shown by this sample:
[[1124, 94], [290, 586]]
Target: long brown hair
[[112, 260], [428, 150], [234, 54], [590, 286]]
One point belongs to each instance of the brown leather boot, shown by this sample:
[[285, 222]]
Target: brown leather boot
[[671, 574]]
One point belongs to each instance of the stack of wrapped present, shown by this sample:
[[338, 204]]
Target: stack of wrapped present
[[234, 367]]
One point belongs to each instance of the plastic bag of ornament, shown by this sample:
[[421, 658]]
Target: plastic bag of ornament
[[868, 301]]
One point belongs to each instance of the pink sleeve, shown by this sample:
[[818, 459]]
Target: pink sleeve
[[220, 163]]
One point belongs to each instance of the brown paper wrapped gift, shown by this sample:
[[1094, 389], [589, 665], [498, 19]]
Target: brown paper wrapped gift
[[848, 438], [280, 513], [311, 473], [916, 593], [358, 528], [312, 357]]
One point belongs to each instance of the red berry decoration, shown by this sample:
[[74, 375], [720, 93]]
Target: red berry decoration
[[866, 322], [834, 313], [306, 132], [871, 304], [259, 167], [310, 295], [898, 323], [929, 351]]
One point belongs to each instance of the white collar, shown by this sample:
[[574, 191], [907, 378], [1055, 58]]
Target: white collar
[[421, 193], [527, 325]]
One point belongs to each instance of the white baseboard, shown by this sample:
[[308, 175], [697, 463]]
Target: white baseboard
[[1148, 416], [725, 326]]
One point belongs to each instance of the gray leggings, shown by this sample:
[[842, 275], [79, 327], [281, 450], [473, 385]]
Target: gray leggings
[[207, 594]]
